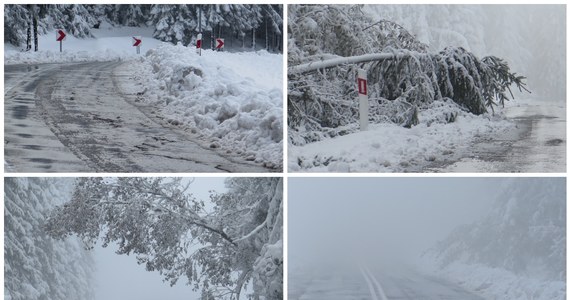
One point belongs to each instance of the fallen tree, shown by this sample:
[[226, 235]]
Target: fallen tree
[[403, 78]]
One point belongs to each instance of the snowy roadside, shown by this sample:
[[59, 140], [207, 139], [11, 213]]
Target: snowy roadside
[[495, 283], [67, 56], [109, 43], [232, 101], [392, 148]]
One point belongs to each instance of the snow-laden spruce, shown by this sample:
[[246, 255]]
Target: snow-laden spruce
[[328, 44], [518, 251], [244, 23], [36, 266], [218, 249]]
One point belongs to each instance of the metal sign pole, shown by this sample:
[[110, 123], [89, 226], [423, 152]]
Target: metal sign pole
[[200, 30]]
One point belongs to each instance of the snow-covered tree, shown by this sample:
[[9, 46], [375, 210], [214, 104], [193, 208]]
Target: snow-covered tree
[[172, 23], [524, 233], [404, 79], [218, 249], [37, 267], [16, 23]]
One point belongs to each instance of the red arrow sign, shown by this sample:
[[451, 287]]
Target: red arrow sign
[[60, 35], [136, 42], [220, 43]]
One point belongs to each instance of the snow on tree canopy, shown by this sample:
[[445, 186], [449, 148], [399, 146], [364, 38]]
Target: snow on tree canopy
[[172, 23], [403, 81], [525, 232], [37, 266], [219, 251]]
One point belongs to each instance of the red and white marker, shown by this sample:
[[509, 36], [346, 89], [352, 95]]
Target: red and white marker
[[137, 41], [219, 43], [362, 83], [199, 43], [59, 37]]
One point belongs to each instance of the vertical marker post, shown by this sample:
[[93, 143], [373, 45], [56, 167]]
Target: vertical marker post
[[60, 36], [199, 44], [137, 41], [362, 83]]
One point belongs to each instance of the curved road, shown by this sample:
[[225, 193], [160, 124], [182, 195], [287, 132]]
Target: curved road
[[73, 118]]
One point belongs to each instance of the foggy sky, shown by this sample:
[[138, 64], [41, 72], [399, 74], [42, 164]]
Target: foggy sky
[[383, 218], [532, 38], [119, 277]]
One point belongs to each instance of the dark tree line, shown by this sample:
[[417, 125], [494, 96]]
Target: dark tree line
[[240, 24]]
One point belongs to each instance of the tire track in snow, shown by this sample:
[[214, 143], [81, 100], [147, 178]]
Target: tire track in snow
[[374, 286]]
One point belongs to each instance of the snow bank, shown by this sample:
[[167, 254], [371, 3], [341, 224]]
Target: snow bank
[[392, 148], [233, 100], [494, 283]]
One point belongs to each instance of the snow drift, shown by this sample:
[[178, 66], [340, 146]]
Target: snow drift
[[233, 101]]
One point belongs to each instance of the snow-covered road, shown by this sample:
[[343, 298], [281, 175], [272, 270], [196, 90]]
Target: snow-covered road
[[537, 145], [73, 118], [374, 283]]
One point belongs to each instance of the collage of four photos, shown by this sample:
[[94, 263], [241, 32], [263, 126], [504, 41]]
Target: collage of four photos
[[371, 151]]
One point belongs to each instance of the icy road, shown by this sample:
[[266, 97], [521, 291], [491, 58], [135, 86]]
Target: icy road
[[73, 118], [537, 145], [375, 284]]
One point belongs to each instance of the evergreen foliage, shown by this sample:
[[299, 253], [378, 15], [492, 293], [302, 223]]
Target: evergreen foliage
[[172, 23], [525, 232], [321, 103], [36, 266], [218, 250]]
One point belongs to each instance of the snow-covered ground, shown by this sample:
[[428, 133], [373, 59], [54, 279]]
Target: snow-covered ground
[[109, 43], [496, 283], [233, 101], [392, 148]]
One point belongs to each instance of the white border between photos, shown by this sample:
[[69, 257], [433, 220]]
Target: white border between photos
[[285, 174]]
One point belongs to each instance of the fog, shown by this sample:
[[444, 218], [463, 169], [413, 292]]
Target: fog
[[532, 38], [379, 219], [119, 277]]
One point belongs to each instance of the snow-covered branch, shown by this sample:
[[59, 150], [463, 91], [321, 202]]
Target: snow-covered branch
[[333, 62], [253, 232]]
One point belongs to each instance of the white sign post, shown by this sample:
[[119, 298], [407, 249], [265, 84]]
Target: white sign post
[[362, 83], [199, 44]]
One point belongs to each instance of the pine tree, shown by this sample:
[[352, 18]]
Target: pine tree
[[36, 266], [524, 231], [404, 80]]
